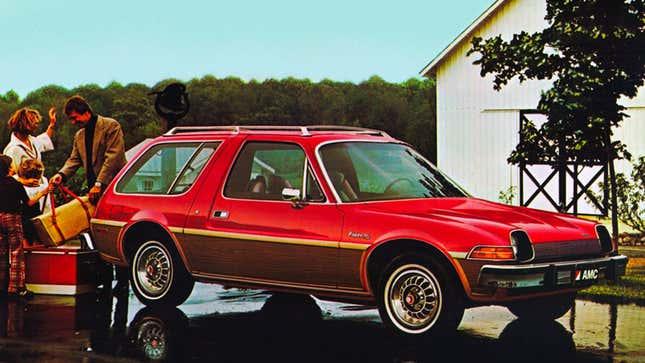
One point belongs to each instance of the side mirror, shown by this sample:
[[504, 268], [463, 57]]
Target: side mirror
[[293, 195]]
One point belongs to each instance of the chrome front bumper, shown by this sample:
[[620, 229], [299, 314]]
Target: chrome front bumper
[[553, 275]]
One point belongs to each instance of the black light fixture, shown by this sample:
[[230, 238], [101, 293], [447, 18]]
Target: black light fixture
[[172, 103]]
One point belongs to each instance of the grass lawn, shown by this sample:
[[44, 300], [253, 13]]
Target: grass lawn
[[630, 288]]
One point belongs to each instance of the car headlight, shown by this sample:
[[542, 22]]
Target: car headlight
[[522, 245], [606, 243]]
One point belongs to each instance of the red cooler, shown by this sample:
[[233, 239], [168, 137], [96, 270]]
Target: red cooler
[[63, 270]]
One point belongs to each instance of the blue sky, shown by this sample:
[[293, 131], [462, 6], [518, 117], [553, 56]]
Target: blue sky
[[75, 42]]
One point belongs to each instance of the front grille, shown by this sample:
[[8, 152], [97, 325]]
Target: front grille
[[566, 249]]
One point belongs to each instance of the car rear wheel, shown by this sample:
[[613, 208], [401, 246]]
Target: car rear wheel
[[546, 308], [418, 296], [158, 275]]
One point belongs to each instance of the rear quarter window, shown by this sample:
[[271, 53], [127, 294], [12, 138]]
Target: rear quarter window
[[166, 168]]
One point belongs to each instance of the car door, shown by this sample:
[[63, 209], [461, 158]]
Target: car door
[[255, 235]]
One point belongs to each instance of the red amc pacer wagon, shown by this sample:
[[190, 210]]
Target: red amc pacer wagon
[[341, 213]]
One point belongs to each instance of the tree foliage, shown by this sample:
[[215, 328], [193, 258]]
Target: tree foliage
[[405, 111], [630, 196], [594, 50]]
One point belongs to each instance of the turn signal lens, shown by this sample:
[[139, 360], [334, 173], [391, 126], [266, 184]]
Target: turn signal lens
[[493, 253]]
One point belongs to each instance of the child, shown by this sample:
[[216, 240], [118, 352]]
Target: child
[[31, 170], [14, 198]]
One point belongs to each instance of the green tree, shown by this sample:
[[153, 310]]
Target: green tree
[[322, 103], [8, 105], [421, 121], [134, 109], [404, 110], [630, 195], [594, 50]]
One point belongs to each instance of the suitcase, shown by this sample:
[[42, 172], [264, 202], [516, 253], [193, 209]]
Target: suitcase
[[64, 222], [65, 270]]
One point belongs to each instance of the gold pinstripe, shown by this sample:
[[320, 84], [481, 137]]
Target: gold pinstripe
[[249, 237], [107, 222], [459, 255], [273, 239]]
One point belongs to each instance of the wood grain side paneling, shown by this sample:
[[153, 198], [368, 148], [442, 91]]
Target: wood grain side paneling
[[349, 269], [292, 263], [105, 239]]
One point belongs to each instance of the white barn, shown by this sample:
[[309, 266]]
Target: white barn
[[478, 127]]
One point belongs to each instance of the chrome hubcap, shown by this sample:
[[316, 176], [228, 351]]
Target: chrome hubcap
[[153, 270], [414, 298]]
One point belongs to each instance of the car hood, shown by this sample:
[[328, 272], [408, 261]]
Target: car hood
[[473, 214]]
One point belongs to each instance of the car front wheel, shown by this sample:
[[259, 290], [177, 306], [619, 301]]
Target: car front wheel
[[418, 296], [546, 308], [158, 275]]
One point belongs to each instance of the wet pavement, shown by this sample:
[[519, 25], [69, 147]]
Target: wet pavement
[[231, 325]]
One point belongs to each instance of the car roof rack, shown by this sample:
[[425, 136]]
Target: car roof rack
[[304, 130]]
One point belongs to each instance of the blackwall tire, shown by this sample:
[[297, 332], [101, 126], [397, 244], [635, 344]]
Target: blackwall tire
[[417, 296], [546, 308], [158, 275]]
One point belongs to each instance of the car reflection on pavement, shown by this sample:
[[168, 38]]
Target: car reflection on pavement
[[292, 328], [219, 325]]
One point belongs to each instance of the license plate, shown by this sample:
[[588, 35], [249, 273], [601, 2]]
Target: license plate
[[587, 275]]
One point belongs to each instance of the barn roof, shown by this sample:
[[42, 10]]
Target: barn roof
[[431, 69]]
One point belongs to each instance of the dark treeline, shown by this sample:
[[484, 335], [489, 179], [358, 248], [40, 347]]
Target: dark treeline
[[405, 110]]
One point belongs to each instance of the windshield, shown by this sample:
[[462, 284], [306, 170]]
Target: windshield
[[367, 171]]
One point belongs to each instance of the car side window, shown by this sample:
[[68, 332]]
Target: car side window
[[314, 192], [166, 166], [263, 169], [194, 168]]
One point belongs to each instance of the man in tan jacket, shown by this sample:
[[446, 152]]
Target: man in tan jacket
[[98, 147]]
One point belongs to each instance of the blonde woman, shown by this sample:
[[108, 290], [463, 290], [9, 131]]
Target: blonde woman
[[23, 145]]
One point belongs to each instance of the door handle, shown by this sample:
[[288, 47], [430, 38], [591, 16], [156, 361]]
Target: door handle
[[220, 214]]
